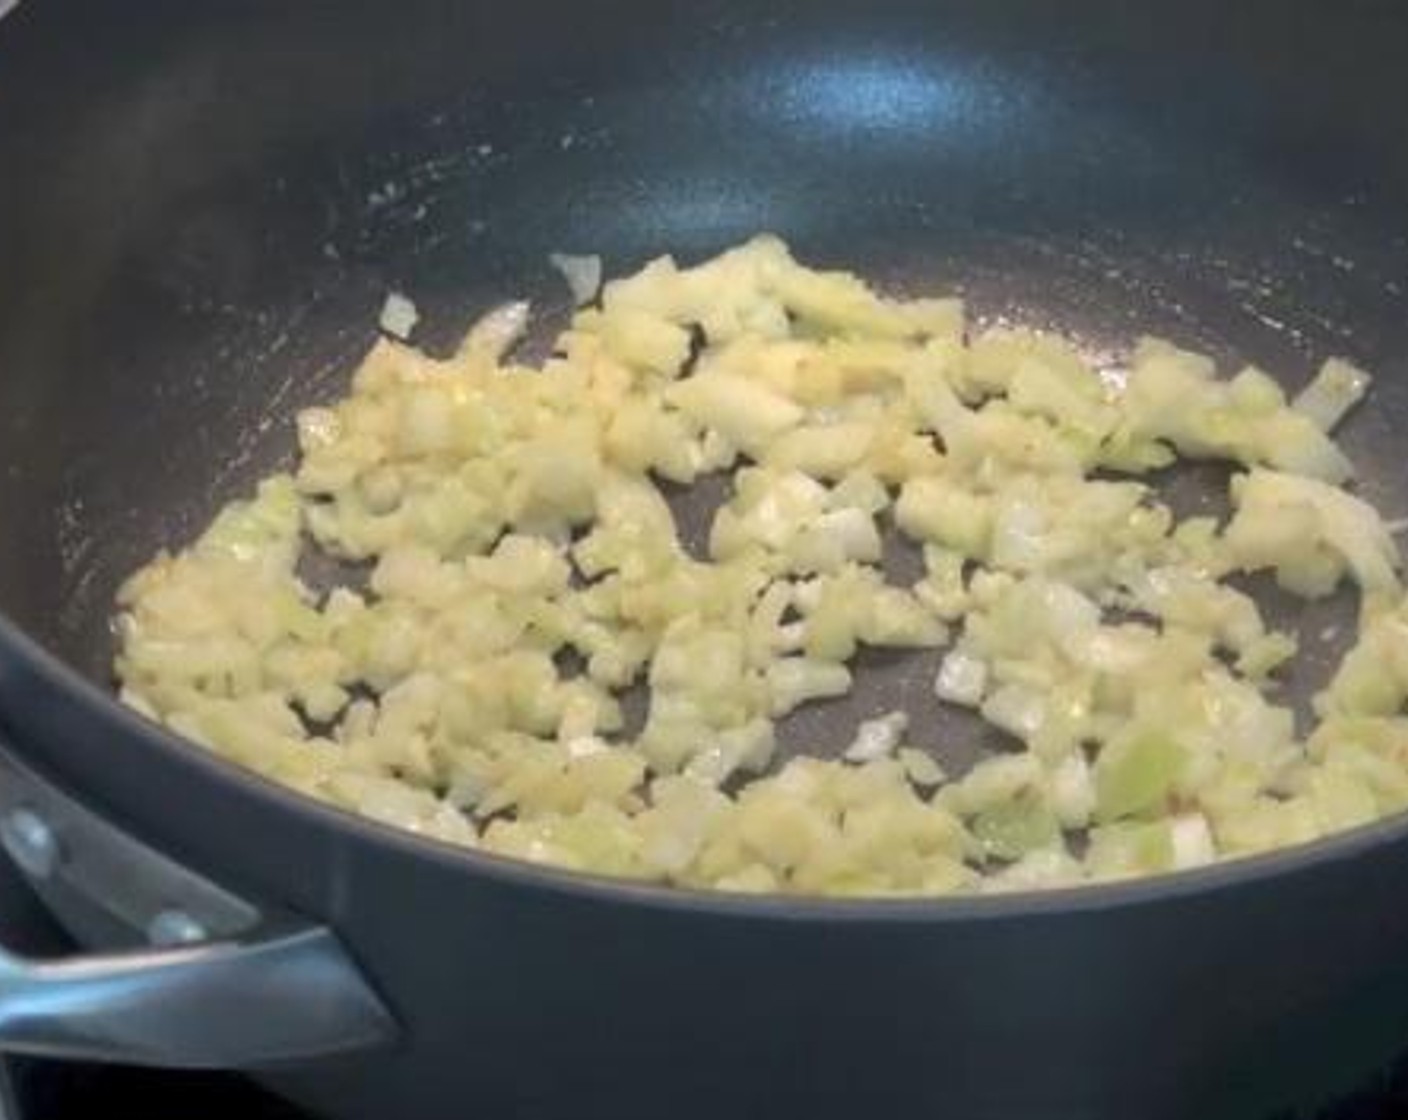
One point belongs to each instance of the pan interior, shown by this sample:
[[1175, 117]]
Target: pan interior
[[213, 208]]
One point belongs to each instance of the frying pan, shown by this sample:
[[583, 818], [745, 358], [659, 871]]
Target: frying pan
[[201, 208]]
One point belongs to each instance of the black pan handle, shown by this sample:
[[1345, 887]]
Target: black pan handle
[[199, 978], [220, 1006]]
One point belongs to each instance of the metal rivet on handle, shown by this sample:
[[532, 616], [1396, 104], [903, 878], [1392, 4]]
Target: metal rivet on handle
[[174, 927], [30, 842]]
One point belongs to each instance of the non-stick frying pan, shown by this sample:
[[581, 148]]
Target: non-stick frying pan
[[201, 208]]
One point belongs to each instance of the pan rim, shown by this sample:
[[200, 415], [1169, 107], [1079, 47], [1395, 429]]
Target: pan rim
[[1163, 888]]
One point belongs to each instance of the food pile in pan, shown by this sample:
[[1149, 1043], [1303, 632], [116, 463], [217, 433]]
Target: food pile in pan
[[526, 572]]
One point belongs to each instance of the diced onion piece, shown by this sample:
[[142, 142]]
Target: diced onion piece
[[793, 681], [644, 340], [318, 428], [582, 273], [498, 332], [920, 767], [399, 316], [1332, 393], [1283, 519], [935, 510], [1073, 791], [837, 538], [1136, 774], [823, 450], [1041, 869], [745, 748], [1192, 841], [1018, 710], [877, 738], [962, 679], [750, 415]]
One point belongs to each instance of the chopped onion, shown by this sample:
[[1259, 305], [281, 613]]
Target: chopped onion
[[920, 767], [962, 679], [1192, 841], [1332, 393], [497, 332], [526, 571], [1018, 710], [1329, 518], [399, 316], [582, 273], [877, 738], [1073, 791], [796, 680]]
